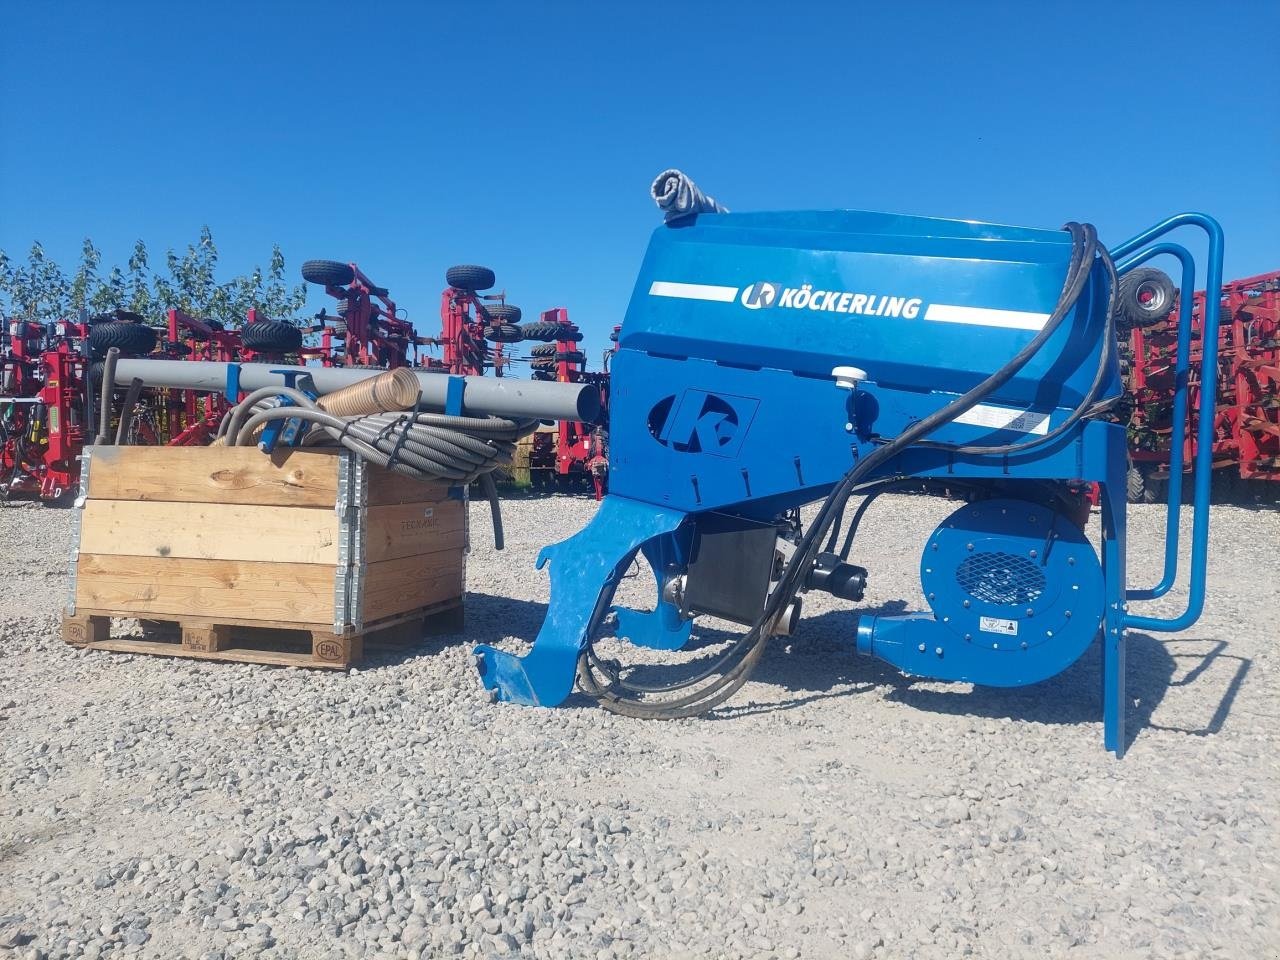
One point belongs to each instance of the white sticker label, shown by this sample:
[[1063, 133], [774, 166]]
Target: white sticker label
[[1008, 628], [1005, 418]]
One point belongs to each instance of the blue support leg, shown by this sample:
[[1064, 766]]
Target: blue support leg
[[661, 628], [584, 571], [1114, 517]]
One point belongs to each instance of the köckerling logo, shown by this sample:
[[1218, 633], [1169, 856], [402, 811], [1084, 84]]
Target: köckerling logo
[[806, 297], [697, 421], [759, 295]]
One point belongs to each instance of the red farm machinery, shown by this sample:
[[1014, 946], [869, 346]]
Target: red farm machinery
[[51, 374], [42, 417], [1246, 444], [569, 453]]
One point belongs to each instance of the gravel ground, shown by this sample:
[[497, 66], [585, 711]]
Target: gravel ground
[[168, 808]]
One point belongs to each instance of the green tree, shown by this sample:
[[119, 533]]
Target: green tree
[[110, 293], [280, 300], [6, 281], [140, 300], [38, 291], [85, 281]]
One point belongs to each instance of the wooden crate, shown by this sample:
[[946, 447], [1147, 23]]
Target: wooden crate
[[215, 538]]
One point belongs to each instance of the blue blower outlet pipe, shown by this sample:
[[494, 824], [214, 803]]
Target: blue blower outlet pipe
[[770, 360]]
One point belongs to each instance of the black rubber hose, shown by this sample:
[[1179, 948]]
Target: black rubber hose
[[495, 509], [875, 488], [126, 414], [108, 385]]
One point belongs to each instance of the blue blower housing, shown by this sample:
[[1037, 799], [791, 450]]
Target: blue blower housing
[[769, 360]]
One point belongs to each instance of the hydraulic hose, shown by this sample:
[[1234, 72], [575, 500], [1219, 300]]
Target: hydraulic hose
[[750, 647]]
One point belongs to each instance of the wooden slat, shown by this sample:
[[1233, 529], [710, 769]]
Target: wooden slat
[[409, 529], [322, 648], [394, 586], [244, 475], [261, 630], [212, 531], [387, 487], [249, 623], [213, 589], [272, 658]]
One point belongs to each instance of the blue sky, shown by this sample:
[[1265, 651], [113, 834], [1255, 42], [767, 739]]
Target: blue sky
[[410, 136]]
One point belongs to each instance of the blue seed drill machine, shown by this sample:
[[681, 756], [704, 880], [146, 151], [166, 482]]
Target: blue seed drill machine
[[770, 360]]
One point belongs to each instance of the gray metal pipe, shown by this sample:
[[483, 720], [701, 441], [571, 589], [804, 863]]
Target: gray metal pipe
[[492, 396]]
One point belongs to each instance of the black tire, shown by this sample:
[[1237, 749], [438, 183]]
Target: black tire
[[1135, 484], [503, 333], [546, 332], [502, 312], [128, 316], [543, 363], [544, 350], [176, 348], [271, 336], [130, 338], [1145, 296], [328, 273], [543, 375], [551, 332], [572, 356], [468, 276], [342, 307], [1140, 488]]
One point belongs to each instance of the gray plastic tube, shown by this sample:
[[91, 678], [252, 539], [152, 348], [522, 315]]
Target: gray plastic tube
[[482, 396]]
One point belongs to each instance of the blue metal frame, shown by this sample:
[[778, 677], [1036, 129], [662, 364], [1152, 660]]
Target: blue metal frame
[[1203, 465], [724, 401]]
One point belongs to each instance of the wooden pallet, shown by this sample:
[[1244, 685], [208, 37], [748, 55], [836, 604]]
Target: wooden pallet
[[246, 556], [258, 641]]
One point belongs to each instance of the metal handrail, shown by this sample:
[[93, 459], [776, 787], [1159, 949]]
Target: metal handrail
[[1182, 365], [1204, 427]]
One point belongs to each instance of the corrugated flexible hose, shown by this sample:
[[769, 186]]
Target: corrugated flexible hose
[[425, 446]]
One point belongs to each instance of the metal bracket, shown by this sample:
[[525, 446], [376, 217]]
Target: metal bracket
[[349, 574], [82, 497], [453, 396], [233, 383]]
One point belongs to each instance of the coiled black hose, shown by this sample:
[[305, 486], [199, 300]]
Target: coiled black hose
[[424, 446]]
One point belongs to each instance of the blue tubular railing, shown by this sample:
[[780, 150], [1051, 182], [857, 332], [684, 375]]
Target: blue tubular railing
[[1204, 427], [1182, 365]]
